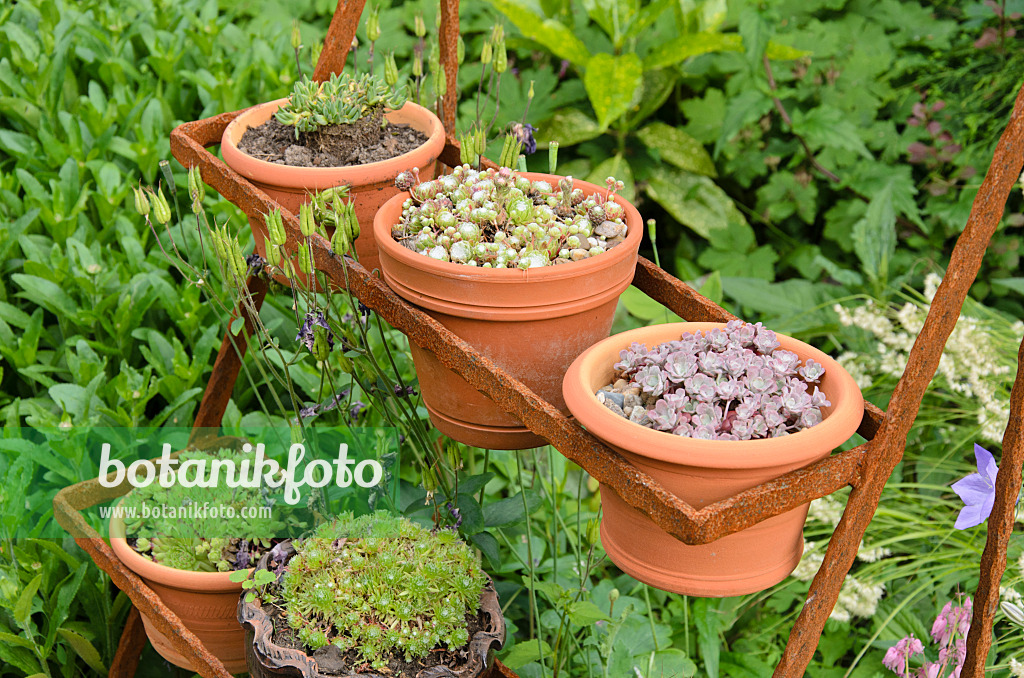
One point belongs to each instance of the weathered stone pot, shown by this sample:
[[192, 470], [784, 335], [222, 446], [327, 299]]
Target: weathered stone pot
[[267, 659]]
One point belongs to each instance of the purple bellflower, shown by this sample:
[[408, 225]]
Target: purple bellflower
[[978, 490]]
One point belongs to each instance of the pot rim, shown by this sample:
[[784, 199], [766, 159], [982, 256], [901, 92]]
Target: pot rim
[[314, 178], [575, 269], [204, 582], [803, 446], [271, 655]]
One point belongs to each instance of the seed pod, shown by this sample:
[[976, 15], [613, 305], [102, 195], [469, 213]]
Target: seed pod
[[500, 57], [304, 262], [296, 35], [161, 210], [196, 187], [460, 50], [390, 70], [321, 345], [307, 225], [273, 253], [275, 227], [486, 52], [141, 202], [419, 27], [373, 24], [441, 82], [339, 241], [552, 157]]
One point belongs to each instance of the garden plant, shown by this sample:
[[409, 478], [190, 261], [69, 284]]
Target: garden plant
[[809, 165]]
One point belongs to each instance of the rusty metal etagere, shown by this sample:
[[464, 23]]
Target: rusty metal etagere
[[866, 468]]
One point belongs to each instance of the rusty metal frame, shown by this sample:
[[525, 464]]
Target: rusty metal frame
[[866, 468]]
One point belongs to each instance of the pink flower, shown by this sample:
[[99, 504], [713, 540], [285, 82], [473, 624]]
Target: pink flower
[[898, 656]]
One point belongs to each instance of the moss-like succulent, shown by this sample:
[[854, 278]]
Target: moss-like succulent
[[381, 585], [498, 218], [344, 99], [186, 527]]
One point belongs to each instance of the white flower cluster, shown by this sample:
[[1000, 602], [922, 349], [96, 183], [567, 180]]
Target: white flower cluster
[[976, 367], [1016, 668], [829, 511], [856, 598]]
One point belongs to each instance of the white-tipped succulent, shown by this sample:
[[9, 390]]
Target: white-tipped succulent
[[497, 218]]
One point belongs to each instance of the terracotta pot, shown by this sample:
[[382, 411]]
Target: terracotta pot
[[204, 601], [531, 323], [267, 659], [370, 185], [702, 472]]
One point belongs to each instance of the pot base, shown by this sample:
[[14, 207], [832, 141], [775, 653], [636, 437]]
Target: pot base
[[234, 639], [488, 437], [746, 562]]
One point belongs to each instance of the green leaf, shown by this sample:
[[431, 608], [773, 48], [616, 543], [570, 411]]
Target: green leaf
[[1014, 284], [584, 613], [712, 287], [708, 621], [11, 639], [45, 293], [554, 35], [640, 305], [754, 30], [696, 202], [685, 46], [778, 52], [238, 576], [611, 83], [488, 545], [678, 148], [874, 236], [525, 652], [673, 663], [657, 86], [745, 108], [618, 167], [568, 128], [23, 608], [84, 649], [510, 510], [828, 127]]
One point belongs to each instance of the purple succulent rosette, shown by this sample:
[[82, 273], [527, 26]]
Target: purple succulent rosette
[[724, 384]]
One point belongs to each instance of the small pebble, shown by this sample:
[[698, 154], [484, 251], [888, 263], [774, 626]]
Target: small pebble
[[621, 385], [632, 391], [639, 416], [578, 254], [631, 400], [609, 229], [615, 409], [616, 398]]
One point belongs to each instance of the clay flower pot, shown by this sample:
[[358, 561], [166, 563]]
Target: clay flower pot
[[204, 601], [702, 472], [267, 659], [531, 323], [370, 185]]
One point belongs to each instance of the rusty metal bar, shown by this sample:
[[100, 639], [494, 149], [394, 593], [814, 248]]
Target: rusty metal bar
[[924, 357], [1000, 527], [449, 40], [339, 38], [679, 297], [129, 648]]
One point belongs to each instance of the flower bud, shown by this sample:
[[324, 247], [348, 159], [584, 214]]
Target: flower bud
[[141, 202], [161, 210]]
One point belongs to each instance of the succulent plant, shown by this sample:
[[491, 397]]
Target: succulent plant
[[184, 527], [344, 99], [381, 585], [497, 218], [724, 384]]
